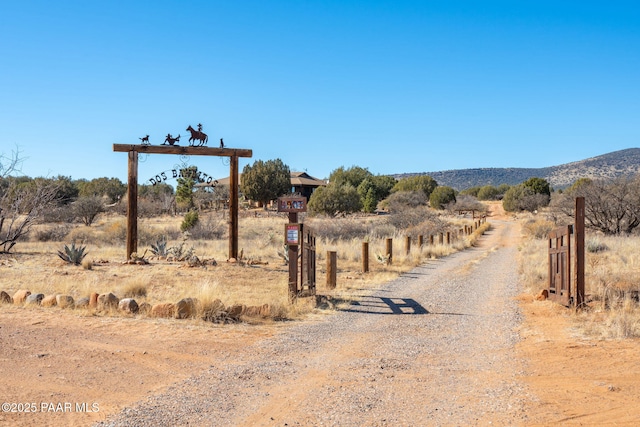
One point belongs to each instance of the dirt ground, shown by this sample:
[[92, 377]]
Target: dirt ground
[[60, 367]]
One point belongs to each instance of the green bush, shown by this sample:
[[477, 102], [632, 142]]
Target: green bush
[[442, 196], [189, 221]]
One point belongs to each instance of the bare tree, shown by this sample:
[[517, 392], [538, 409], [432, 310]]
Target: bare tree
[[612, 207], [21, 205]]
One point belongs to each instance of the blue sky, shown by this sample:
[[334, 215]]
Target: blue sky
[[392, 86]]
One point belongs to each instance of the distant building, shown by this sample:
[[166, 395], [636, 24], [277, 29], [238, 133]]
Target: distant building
[[301, 183]]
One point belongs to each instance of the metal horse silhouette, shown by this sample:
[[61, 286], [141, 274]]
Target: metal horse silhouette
[[197, 135]]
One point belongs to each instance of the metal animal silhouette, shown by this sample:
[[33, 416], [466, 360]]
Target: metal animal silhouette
[[197, 135], [145, 140], [171, 140]]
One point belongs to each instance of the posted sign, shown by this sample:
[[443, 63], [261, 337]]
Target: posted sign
[[292, 204], [292, 234]]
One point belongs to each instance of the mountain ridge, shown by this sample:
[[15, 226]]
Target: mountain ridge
[[614, 164]]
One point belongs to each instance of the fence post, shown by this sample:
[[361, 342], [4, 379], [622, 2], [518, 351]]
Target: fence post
[[389, 250], [365, 257], [407, 245], [332, 265], [420, 241], [448, 237], [579, 236]]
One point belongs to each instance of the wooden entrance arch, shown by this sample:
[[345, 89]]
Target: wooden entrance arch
[[132, 185]]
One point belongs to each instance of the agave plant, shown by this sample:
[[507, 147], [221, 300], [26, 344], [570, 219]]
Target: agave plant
[[73, 254], [160, 248]]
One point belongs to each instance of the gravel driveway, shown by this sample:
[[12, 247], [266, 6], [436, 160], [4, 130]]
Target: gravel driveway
[[434, 347]]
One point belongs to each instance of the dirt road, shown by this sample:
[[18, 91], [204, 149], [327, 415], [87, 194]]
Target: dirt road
[[434, 347]]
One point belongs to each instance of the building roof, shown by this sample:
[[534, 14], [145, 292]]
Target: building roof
[[298, 179]]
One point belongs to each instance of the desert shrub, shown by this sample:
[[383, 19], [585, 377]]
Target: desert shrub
[[148, 235], [59, 214], [116, 232], [593, 245], [189, 221], [339, 228], [442, 196], [134, 290], [160, 248], [84, 235], [56, 233], [401, 200], [88, 208], [538, 228], [210, 228]]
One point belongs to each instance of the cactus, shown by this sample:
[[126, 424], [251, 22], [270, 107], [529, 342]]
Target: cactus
[[73, 255]]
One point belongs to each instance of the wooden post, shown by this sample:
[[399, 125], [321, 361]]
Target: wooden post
[[365, 257], [389, 249], [293, 263], [233, 207], [448, 237], [431, 239], [441, 238], [332, 265], [407, 245], [579, 233], [420, 240], [132, 204]]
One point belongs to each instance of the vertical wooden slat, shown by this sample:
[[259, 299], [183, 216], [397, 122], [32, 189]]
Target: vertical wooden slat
[[365, 257], [579, 240]]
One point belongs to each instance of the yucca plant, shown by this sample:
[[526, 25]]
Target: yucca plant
[[73, 255], [160, 248]]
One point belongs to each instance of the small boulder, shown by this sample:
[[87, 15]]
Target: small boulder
[[186, 308], [93, 299], [265, 310], [107, 301], [82, 303], [65, 301], [542, 295], [5, 298], [20, 296], [235, 311], [49, 301], [166, 309], [128, 305], [144, 308], [34, 299]]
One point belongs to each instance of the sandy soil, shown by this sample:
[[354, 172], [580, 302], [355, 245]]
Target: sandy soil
[[60, 367]]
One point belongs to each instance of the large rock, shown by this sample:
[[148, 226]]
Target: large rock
[[64, 301], [128, 305], [5, 298], [107, 301], [186, 308], [166, 309], [34, 299], [82, 303], [21, 296], [49, 301]]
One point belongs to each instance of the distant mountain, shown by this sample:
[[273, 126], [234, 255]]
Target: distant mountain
[[611, 165]]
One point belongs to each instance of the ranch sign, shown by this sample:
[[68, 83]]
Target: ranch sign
[[183, 173]]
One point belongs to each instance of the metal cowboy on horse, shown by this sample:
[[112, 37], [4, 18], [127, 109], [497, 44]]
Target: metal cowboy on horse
[[197, 135]]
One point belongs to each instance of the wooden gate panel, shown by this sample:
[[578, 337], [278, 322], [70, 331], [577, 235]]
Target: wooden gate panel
[[560, 265]]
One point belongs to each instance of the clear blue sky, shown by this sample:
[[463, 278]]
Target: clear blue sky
[[393, 86]]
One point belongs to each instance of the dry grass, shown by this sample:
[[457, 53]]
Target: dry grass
[[612, 281], [261, 278]]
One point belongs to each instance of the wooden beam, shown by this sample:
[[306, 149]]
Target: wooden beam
[[189, 150]]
